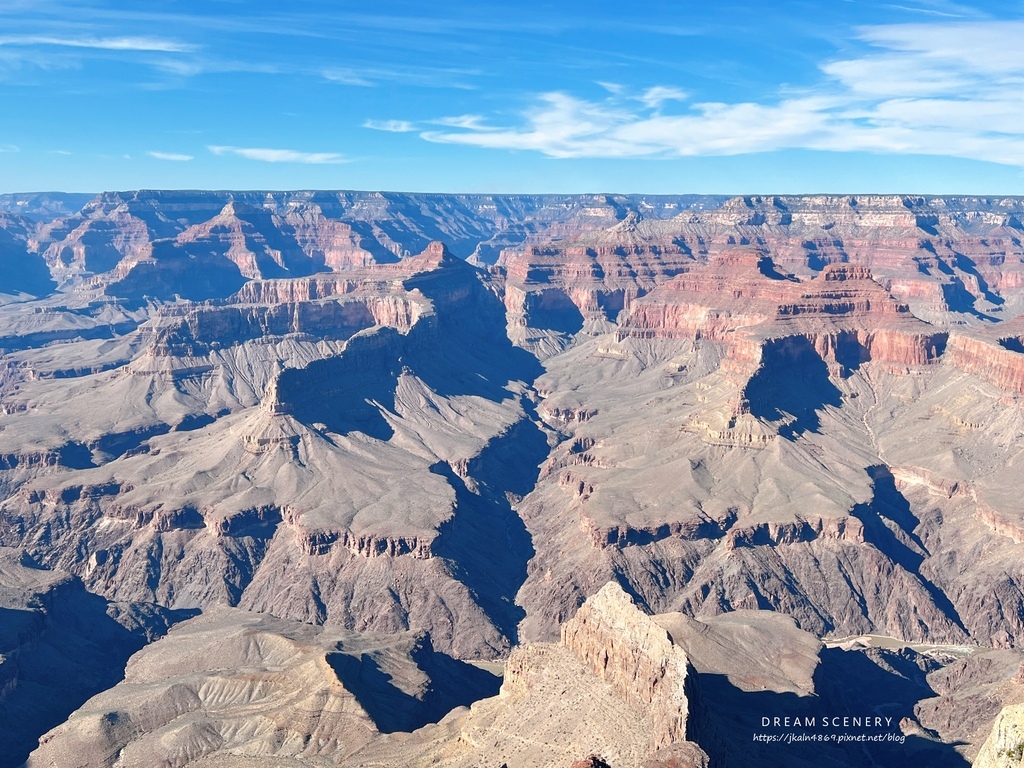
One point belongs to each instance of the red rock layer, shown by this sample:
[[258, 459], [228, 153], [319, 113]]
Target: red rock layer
[[1002, 367], [841, 312]]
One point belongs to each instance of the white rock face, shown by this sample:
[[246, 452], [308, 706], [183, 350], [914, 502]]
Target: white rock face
[[1004, 747]]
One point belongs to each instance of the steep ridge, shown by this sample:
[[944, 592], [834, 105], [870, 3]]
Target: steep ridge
[[337, 467], [236, 683]]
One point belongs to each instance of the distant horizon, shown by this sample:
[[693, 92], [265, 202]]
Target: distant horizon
[[597, 193]]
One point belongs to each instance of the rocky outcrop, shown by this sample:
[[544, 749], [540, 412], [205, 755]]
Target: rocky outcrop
[[637, 657], [1004, 747], [846, 316], [988, 361]]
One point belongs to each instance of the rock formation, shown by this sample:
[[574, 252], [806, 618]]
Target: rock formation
[[1004, 748], [233, 684], [804, 405], [636, 656]]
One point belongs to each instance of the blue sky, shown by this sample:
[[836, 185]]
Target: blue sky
[[921, 96]]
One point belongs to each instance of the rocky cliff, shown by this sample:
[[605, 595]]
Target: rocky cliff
[[1004, 747], [635, 655]]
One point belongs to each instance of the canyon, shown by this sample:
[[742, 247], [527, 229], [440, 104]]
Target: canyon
[[467, 479]]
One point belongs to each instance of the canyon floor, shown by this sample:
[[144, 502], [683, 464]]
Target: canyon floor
[[376, 479]]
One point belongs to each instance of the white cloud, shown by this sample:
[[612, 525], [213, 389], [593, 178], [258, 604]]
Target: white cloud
[[469, 122], [347, 77], [172, 156], [950, 88], [202, 65], [617, 88], [425, 77], [391, 126], [9, 148], [977, 46], [280, 155], [151, 44], [655, 97]]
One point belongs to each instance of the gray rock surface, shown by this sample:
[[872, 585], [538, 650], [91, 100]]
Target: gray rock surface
[[59, 645]]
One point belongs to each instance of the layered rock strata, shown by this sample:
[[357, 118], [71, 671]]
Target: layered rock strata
[[212, 493], [636, 656], [804, 405]]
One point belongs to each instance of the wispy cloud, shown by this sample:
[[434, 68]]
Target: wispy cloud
[[950, 88], [192, 66], [172, 156], [151, 44], [9, 148], [940, 8], [347, 77], [280, 155], [655, 97], [425, 77], [469, 122], [391, 126], [59, 152]]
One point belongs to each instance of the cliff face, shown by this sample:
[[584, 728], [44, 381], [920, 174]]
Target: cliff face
[[1005, 745], [846, 316], [626, 648], [989, 361]]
